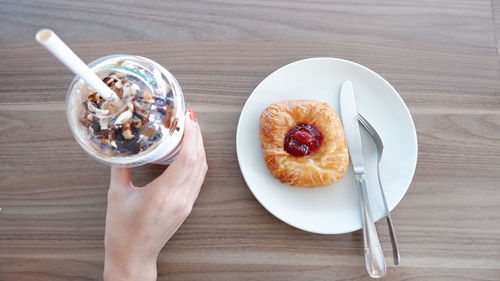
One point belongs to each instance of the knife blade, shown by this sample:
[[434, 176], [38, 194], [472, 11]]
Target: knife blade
[[349, 115], [374, 257]]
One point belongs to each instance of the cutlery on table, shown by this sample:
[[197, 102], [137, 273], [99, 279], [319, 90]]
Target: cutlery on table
[[374, 257], [380, 148]]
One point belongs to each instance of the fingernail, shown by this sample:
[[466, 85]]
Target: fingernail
[[192, 115]]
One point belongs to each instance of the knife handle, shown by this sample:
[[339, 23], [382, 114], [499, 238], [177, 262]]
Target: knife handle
[[374, 257]]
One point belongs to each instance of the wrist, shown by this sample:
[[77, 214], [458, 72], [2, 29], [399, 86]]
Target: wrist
[[126, 271]]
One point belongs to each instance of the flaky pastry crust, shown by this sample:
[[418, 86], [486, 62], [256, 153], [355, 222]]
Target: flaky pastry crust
[[322, 167]]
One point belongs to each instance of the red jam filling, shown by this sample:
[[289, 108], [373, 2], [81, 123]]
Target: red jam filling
[[302, 140]]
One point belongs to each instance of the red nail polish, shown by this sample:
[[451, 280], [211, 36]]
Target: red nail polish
[[192, 115]]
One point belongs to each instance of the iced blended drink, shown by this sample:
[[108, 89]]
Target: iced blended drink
[[146, 124]]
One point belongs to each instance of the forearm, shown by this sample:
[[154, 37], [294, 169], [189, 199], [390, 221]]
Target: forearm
[[122, 271]]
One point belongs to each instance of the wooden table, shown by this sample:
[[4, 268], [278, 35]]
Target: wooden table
[[442, 56]]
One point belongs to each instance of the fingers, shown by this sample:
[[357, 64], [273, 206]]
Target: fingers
[[197, 181], [201, 148], [196, 184], [188, 162]]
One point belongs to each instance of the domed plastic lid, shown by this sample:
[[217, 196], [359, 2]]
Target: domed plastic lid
[[143, 127]]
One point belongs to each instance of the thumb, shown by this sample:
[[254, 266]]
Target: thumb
[[120, 176]]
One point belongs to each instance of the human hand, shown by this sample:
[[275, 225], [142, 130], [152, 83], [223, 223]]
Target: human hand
[[140, 220]]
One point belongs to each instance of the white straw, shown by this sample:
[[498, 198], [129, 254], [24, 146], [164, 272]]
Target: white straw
[[60, 50]]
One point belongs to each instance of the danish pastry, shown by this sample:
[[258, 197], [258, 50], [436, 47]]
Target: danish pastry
[[303, 143]]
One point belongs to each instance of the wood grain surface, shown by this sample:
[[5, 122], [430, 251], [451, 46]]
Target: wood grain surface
[[441, 56]]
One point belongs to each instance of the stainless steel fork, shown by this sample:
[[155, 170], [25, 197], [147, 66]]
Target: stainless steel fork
[[380, 149]]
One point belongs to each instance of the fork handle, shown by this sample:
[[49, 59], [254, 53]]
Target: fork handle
[[394, 242], [392, 232], [374, 257]]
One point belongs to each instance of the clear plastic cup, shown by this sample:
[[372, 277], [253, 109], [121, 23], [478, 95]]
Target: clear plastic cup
[[145, 127]]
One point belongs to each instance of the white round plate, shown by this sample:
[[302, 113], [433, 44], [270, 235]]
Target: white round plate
[[332, 209]]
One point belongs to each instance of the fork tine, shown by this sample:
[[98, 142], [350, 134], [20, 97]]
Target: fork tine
[[376, 137], [366, 124]]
